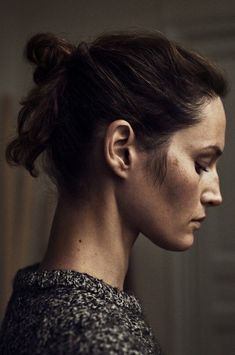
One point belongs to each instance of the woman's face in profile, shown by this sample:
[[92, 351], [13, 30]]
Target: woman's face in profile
[[170, 213]]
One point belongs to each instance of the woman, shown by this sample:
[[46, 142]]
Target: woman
[[129, 127]]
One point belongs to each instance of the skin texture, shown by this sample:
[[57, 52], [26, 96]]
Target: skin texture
[[96, 235], [165, 213]]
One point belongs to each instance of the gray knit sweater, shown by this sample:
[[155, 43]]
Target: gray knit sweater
[[67, 312]]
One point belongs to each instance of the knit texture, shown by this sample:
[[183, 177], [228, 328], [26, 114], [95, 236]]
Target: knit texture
[[67, 312]]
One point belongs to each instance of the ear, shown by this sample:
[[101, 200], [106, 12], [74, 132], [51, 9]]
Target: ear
[[120, 147]]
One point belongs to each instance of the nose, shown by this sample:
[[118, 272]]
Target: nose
[[211, 196]]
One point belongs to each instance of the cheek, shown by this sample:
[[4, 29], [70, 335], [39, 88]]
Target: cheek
[[181, 186]]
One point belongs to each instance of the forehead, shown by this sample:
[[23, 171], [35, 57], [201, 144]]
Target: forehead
[[210, 131]]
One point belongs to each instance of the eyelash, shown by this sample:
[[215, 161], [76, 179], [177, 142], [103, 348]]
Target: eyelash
[[199, 168]]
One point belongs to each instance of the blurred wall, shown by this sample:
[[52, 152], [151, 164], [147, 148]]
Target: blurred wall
[[188, 297]]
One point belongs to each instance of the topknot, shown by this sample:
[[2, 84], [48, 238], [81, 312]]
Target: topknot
[[47, 52]]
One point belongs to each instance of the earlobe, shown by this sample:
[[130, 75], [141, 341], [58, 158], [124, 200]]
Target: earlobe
[[120, 147]]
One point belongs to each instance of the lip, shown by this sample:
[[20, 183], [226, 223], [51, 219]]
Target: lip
[[197, 222]]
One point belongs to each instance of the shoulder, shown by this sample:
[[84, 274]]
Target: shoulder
[[114, 339], [108, 337], [106, 330]]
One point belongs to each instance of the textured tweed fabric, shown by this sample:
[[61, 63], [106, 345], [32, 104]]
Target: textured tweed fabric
[[67, 312]]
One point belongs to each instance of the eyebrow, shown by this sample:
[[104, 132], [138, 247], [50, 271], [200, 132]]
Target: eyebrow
[[217, 151]]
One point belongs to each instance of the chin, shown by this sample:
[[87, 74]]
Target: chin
[[182, 244], [174, 244]]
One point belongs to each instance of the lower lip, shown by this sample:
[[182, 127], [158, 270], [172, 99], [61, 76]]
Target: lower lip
[[197, 224]]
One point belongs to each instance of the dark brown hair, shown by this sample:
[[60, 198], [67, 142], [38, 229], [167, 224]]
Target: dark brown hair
[[152, 82]]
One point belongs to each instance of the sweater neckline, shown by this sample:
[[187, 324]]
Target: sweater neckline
[[30, 277]]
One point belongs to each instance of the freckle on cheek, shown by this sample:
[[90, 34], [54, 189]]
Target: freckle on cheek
[[177, 185], [175, 162]]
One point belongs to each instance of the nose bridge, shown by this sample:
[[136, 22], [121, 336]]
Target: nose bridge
[[211, 194]]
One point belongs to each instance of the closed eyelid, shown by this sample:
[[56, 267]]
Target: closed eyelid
[[208, 158], [213, 152], [205, 162]]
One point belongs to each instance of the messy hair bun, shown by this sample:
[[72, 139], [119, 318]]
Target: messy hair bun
[[47, 52], [152, 82], [38, 115]]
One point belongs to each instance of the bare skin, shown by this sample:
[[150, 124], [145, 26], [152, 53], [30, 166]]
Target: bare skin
[[90, 239], [96, 236], [92, 236]]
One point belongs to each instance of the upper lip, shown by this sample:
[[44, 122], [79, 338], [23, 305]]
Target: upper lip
[[199, 219]]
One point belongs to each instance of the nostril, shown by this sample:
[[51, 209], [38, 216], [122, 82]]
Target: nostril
[[211, 200], [211, 195], [216, 202]]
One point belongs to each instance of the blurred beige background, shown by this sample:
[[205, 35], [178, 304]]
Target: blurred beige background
[[189, 297]]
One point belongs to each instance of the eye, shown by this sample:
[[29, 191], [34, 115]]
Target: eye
[[200, 168]]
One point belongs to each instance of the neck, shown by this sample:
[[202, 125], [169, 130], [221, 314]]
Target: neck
[[90, 238]]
